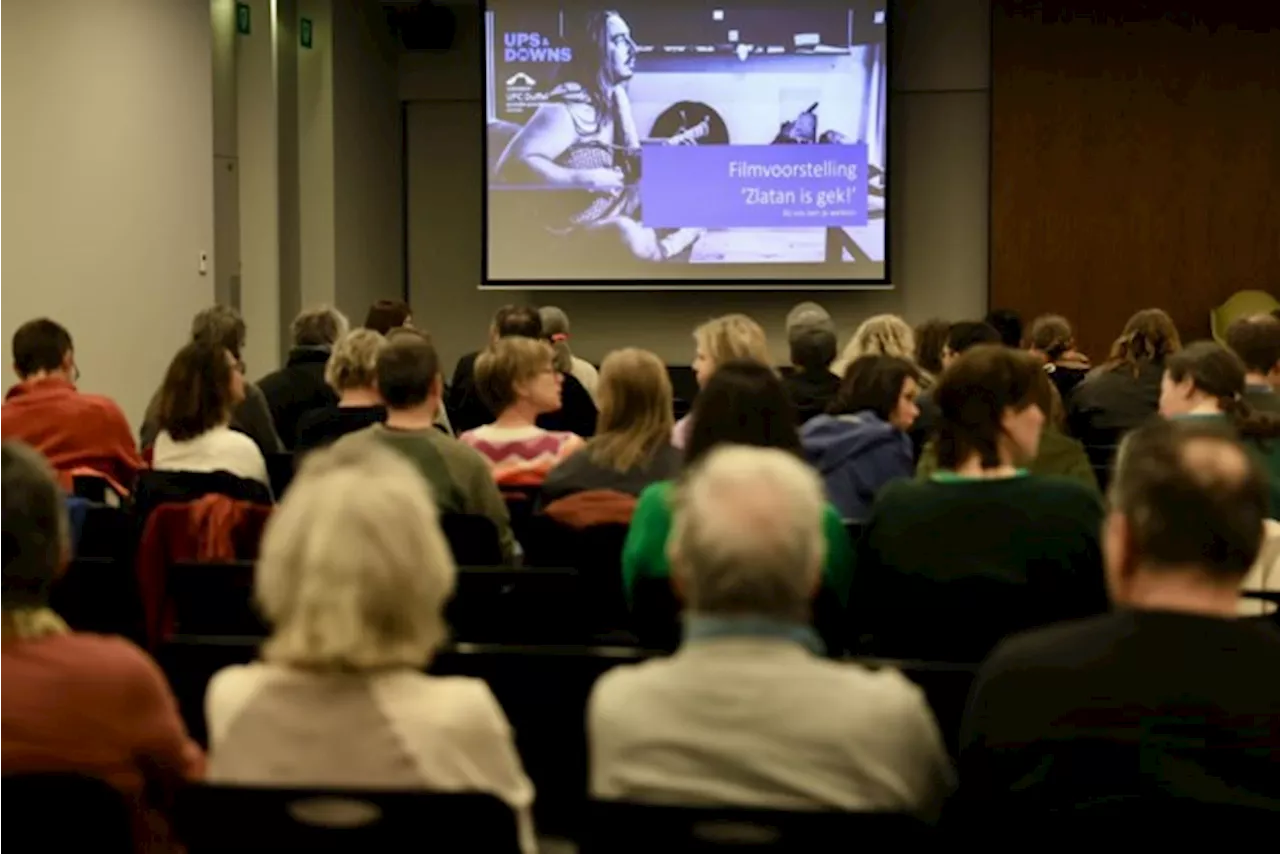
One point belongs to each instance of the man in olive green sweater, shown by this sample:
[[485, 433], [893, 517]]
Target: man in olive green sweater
[[460, 479]]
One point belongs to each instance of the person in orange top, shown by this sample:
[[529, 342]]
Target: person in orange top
[[76, 432], [74, 702]]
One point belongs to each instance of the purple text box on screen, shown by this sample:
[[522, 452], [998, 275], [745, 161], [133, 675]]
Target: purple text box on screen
[[754, 186]]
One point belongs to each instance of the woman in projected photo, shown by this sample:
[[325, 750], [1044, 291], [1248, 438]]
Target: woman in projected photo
[[584, 139]]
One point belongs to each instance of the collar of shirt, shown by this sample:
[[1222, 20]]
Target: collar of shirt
[[703, 627]]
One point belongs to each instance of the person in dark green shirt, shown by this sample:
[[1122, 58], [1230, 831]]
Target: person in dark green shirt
[[744, 403], [948, 566], [1206, 380]]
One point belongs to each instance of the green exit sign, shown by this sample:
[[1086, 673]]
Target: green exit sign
[[244, 22], [304, 32]]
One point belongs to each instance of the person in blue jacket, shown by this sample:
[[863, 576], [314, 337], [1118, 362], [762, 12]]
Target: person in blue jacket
[[862, 443]]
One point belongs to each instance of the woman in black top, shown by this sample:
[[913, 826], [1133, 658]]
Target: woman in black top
[[352, 372]]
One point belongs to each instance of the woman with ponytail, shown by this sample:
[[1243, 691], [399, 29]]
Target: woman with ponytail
[[1125, 391], [555, 327], [1206, 380]]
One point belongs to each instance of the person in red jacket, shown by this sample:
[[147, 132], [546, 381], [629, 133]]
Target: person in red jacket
[[76, 432]]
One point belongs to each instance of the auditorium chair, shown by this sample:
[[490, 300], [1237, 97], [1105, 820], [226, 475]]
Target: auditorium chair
[[473, 539], [280, 467], [946, 687], [218, 819], [523, 606], [100, 595], [179, 487], [614, 827], [596, 553], [213, 599], [66, 812]]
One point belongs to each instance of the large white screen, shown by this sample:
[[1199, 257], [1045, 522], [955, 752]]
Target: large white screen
[[680, 143]]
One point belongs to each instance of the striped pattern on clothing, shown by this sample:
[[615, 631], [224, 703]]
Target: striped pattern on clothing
[[521, 456]]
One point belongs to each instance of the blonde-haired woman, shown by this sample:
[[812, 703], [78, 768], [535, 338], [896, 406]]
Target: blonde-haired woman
[[632, 446], [881, 335], [517, 379], [354, 575], [352, 372], [725, 339]]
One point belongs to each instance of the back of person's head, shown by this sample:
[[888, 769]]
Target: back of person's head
[[221, 326], [809, 315], [877, 384], [1008, 323], [318, 327], [813, 348], [555, 328], [730, 337], [40, 346], [408, 368], [1149, 337], [387, 314], [976, 393], [744, 403], [747, 536], [198, 391], [1256, 340], [931, 338], [521, 321], [635, 418], [354, 361], [354, 571], [509, 361], [35, 528], [1215, 372], [1051, 334], [881, 335], [968, 334], [1185, 496]]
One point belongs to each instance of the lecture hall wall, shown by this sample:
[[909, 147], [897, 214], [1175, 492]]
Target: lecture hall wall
[[1135, 158], [939, 186]]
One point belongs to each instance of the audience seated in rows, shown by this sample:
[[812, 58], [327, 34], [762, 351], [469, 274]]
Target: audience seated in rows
[[1124, 391], [632, 446], [202, 387], [1008, 324], [863, 443], [555, 327], [76, 432], [576, 414], [879, 335], [1207, 381], [947, 567], [72, 702], [1057, 454], [1163, 702], [387, 314], [1052, 339], [351, 370], [721, 340], [300, 386], [742, 403], [354, 576], [408, 374], [747, 712], [1256, 340], [517, 379], [809, 380], [222, 326]]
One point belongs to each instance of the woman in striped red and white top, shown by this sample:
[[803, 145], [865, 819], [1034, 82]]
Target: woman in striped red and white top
[[516, 378]]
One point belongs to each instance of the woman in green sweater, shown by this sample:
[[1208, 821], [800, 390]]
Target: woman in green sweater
[[743, 403], [1206, 380]]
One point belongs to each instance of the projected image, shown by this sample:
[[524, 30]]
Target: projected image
[[682, 140]]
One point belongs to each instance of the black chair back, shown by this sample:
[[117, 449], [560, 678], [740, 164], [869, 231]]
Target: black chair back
[[628, 828], [596, 553], [100, 595], [524, 606], [280, 466], [249, 819], [214, 599], [66, 812], [107, 532], [472, 539], [181, 487]]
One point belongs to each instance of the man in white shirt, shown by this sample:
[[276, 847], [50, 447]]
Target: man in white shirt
[[747, 713]]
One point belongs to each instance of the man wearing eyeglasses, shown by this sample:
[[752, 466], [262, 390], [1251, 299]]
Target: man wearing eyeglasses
[[78, 433]]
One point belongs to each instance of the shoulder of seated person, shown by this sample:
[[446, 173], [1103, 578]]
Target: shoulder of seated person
[[1060, 644], [109, 654]]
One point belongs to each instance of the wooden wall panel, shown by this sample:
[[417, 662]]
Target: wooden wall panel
[[1135, 158]]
